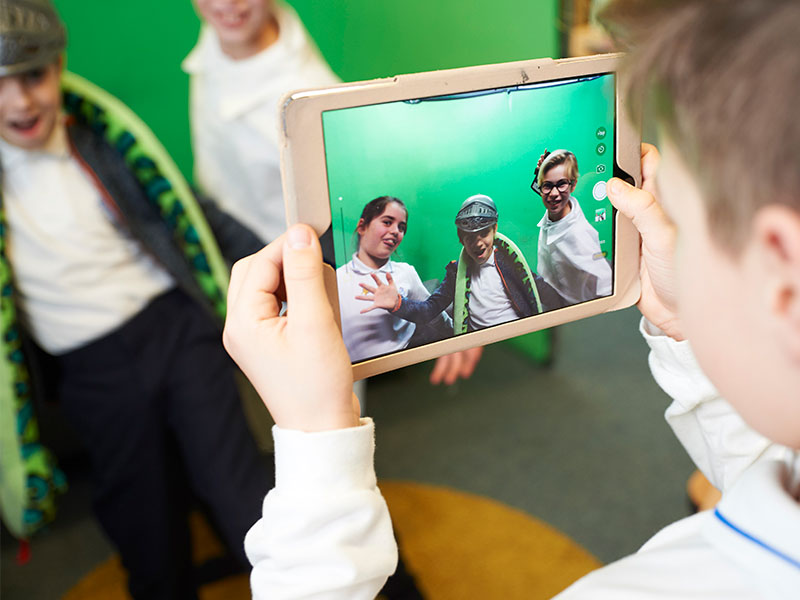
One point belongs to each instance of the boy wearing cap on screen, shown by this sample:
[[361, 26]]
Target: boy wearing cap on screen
[[490, 283], [114, 268]]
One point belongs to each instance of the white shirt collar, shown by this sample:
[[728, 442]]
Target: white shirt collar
[[555, 229], [243, 84], [757, 524], [360, 268], [547, 222]]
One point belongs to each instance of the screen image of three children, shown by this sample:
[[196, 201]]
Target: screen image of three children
[[385, 307]]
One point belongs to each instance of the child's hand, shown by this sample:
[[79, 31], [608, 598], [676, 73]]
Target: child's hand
[[382, 295], [541, 159], [658, 302], [450, 367], [297, 362]]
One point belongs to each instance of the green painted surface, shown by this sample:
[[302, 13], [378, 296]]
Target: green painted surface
[[375, 38], [435, 154], [134, 49]]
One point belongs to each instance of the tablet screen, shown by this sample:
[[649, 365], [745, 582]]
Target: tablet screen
[[439, 199]]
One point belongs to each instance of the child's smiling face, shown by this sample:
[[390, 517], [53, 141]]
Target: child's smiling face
[[30, 106], [382, 235], [244, 27], [555, 200]]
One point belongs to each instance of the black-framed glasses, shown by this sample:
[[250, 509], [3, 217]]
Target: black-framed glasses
[[562, 185]]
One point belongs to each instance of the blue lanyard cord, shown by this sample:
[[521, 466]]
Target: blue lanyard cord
[[755, 540]]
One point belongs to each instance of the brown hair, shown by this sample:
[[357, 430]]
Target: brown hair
[[374, 208], [560, 157], [723, 78]]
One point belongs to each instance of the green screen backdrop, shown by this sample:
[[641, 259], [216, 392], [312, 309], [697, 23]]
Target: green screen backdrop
[[435, 154], [134, 49]]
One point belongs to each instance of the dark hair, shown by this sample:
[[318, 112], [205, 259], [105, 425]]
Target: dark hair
[[721, 76], [373, 209]]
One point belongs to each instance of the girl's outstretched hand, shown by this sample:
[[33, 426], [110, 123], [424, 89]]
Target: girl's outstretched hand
[[297, 362], [382, 295], [658, 302]]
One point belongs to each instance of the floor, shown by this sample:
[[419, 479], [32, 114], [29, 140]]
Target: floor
[[581, 444]]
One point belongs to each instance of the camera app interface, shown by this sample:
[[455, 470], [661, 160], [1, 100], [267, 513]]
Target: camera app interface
[[455, 213]]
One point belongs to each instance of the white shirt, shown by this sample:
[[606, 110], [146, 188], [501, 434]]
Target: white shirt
[[570, 258], [489, 303], [78, 275], [749, 548], [378, 331], [234, 118]]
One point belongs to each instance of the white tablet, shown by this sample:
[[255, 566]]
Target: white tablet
[[441, 230]]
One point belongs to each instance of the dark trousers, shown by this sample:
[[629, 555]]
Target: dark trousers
[[156, 405]]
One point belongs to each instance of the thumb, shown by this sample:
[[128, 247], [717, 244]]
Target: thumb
[[640, 206], [302, 275]]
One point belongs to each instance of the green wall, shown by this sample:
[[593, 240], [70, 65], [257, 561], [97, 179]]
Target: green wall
[[435, 154], [134, 48]]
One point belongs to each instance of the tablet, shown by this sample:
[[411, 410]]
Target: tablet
[[461, 207]]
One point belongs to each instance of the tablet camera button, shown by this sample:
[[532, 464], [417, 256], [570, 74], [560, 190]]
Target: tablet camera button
[[599, 190]]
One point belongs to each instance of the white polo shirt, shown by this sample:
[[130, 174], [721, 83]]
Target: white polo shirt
[[234, 109], [489, 303], [378, 331], [78, 274]]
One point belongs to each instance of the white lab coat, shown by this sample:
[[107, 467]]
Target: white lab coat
[[570, 259], [234, 118], [326, 529]]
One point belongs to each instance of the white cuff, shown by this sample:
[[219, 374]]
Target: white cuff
[[326, 460], [675, 367]]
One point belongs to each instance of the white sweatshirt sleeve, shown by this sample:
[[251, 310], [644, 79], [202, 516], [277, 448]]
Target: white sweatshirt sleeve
[[325, 530], [721, 444]]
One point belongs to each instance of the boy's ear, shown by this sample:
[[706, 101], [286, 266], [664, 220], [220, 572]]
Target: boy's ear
[[777, 235]]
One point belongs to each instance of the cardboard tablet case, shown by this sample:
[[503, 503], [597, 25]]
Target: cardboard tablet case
[[305, 185]]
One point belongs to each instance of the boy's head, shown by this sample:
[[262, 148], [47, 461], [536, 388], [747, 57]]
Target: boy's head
[[476, 223], [32, 39], [723, 77], [557, 177], [243, 27]]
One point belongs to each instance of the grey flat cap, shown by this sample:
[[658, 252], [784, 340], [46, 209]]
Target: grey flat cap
[[31, 35]]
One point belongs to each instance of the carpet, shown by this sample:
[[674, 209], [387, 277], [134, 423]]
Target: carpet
[[457, 546]]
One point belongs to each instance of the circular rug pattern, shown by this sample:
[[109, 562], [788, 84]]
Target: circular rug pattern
[[457, 545]]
